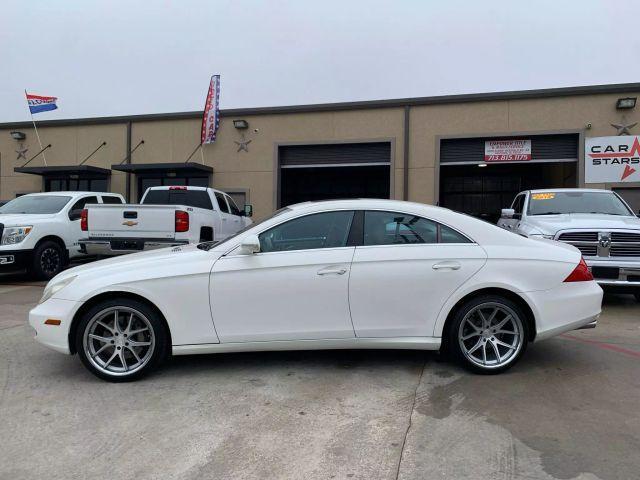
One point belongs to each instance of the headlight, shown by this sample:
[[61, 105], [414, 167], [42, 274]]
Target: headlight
[[53, 288], [541, 235], [13, 235]]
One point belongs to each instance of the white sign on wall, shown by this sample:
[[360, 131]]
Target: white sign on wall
[[507, 150], [612, 159]]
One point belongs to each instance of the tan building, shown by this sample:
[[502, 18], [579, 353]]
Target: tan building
[[422, 149]]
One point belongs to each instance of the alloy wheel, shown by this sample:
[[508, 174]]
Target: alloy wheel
[[119, 341], [491, 335], [50, 260]]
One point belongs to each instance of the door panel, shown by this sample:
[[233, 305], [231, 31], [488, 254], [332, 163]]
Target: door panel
[[289, 295], [398, 290]]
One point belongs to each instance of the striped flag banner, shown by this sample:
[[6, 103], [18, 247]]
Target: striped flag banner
[[39, 103], [211, 114]]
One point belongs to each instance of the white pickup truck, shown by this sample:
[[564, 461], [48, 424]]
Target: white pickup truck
[[166, 216], [597, 222], [40, 231]]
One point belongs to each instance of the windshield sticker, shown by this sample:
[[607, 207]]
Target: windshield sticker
[[543, 196]]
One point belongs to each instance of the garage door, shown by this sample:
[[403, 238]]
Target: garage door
[[331, 171], [482, 192]]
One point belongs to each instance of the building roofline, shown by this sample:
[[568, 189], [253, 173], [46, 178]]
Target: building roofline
[[360, 105]]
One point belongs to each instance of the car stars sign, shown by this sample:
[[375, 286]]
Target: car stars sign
[[612, 159]]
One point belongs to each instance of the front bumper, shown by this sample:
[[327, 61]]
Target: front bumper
[[14, 260], [121, 246], [54, 336], [615, 273]]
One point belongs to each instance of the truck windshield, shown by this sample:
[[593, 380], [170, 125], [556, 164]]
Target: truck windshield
[[556, 203], [35, 204]]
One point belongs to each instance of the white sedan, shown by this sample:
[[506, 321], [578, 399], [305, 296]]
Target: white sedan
[[324, 275]]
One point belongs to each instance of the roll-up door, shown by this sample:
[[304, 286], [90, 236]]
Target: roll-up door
[[561, 147], [332, 171]]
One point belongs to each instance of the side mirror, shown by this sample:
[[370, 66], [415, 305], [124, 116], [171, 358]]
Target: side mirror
[[507, 213], [248, 210], [250, 245], [75, 214]]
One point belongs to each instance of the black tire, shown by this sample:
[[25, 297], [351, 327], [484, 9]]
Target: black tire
[[637, 295], [49, 258], [510, 349], [157, 336]]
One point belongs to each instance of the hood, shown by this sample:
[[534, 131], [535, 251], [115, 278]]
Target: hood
[[11, 219], [136, 262], [551, 224]]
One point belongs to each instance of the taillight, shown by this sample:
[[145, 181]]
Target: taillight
[[580, 274], [84, 220], [182, 221], [177, 188]]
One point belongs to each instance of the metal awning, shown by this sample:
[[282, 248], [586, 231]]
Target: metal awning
[[65, 171], [189, 168]]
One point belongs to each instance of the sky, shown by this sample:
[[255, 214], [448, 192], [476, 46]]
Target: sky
[[103, 58]]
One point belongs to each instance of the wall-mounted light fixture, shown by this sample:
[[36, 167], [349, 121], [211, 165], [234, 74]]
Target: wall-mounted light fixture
[[241, 124], [18, 135], [626, 103]]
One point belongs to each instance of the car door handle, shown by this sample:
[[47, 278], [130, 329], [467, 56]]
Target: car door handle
[[332, 271], [447, 266]]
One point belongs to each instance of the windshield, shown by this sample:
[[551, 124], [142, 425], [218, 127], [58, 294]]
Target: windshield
[[555, 203], [210, 245], [35, 204]]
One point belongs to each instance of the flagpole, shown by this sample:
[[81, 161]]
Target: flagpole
[[36, 129], [202, 153]]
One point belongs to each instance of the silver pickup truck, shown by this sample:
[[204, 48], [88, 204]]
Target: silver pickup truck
[[597, 222]]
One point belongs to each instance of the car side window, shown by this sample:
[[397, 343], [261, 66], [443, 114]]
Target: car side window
[[80, 204], [232, 206], [222, 203], [393, 228], [318, 230], [517, 205]]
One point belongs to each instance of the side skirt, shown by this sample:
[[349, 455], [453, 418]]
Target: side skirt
[[400, 343]]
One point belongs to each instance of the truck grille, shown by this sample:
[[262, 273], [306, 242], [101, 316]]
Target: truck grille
[[604, 243], [578, 237]]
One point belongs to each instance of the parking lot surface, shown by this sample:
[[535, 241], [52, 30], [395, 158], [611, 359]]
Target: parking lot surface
[[568, 410]]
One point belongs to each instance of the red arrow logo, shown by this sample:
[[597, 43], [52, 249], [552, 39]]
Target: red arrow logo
[[627, 171]]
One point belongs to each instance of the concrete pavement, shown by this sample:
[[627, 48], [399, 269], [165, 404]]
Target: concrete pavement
[[568, 410]]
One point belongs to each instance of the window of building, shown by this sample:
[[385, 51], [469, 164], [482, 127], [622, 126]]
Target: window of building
[[320, 230], [76, 184]]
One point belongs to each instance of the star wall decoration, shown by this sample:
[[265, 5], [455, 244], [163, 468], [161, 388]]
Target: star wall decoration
[[243, 145], [622, 128], [22, 152]]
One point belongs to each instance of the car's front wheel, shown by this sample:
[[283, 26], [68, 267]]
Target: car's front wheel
[[488, 334], [49, 258], [121, 339]]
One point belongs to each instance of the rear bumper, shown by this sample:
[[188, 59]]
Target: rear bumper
[[570, 306], [121, 246]]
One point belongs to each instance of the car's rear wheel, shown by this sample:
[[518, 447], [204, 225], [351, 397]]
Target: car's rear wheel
[[488, 334], [48, 260], [121, 339]]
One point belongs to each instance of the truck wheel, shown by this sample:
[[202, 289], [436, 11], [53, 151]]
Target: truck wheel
[[48, 260]]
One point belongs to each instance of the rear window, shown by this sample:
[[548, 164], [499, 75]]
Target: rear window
[[111, 200], [190, 198]]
